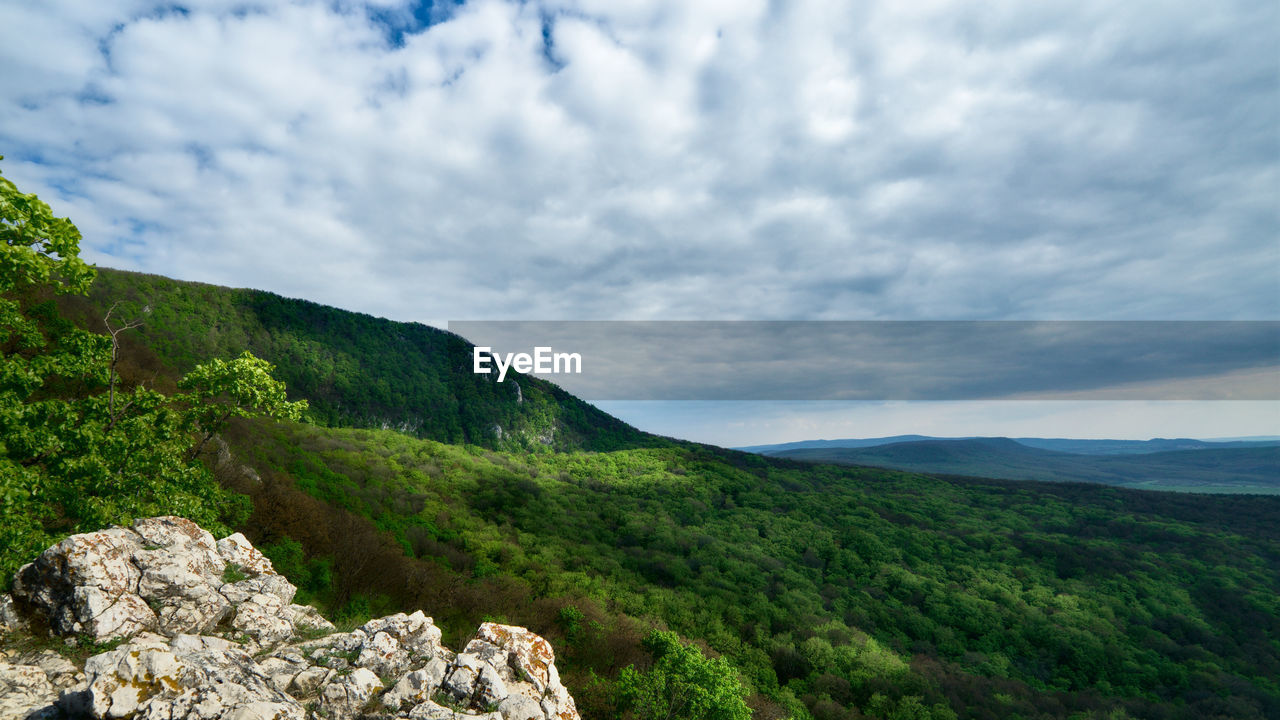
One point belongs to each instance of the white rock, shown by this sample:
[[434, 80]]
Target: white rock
[[519, 707], [306, 619], [256, 711], [490, 688], [460, 680], [415, 687], [432, 711], [261, 624], [92, 568], [166, 576], [102, 616], [180, 538], [417, 633], [309, 681], [346, 695], [529, 653], [24, 691], [192, 679], [187, 602], [61, 672], [383, 655], [282, 669], [276, 587], [236, 549], [189, 644]]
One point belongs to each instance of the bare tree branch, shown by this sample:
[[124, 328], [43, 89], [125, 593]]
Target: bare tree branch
[[115, 356]]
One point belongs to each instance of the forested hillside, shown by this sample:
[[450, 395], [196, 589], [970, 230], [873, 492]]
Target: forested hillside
[[836, 592], [354, 369]]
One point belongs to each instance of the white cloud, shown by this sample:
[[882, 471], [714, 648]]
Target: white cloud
[[666, 159]]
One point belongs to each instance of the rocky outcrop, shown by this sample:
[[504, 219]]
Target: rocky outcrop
[[207, 629]]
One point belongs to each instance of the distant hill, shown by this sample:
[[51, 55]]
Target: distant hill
[[355, 370], [1211, 469], [1067, 445], [845, 443], [1138, 447]]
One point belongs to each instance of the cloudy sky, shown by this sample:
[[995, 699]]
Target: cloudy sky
[[606, 159]]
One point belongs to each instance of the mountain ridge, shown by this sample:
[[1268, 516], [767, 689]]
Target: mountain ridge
[[1227, 469], [1081, 446], [356, 370]]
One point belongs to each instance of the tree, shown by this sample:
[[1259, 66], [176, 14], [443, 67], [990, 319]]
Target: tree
[[37, 249], [681, 684], [76, 453], [223, 389]]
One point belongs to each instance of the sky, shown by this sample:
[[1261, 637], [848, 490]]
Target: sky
[[616, 160]]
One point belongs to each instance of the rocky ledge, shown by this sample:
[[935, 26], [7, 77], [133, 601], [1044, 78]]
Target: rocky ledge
[[204, 629]]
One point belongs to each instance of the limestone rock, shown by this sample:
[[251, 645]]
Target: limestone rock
[[520, 707], [260, 623], [416, 632], [346, 695], [197, 647], [306, 619], [181, 570], [88, 584], [102, 616], [185, 543], [163, 573], [236, 549], [416, 686], [190, 679], [25, 691], [61, 672], [31, 681], [432, 711], [268, 589], [308, 682], [527, 653], [383, 655], [284, 668], [525, 662]]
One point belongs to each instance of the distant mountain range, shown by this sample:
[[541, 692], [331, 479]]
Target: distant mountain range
[[1067, 445], [1251, 466]]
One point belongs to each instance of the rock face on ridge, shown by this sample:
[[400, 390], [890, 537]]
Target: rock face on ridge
[[207, 629]]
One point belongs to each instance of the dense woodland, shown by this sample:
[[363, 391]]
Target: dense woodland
[[353, 369], [834, 591], [809, 591]]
